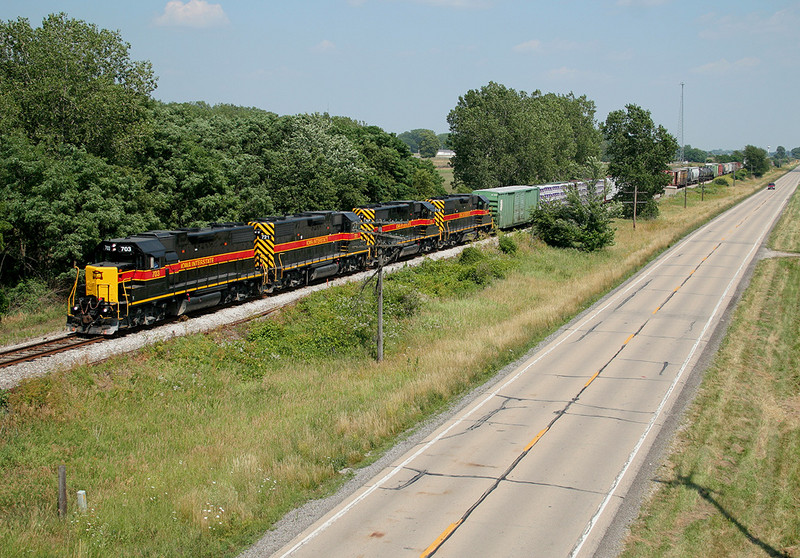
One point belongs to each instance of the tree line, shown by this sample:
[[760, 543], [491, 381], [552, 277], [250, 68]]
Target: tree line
[[87, 154]]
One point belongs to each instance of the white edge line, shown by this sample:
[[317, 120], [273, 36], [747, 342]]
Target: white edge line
[[669, 254], [593, 521]]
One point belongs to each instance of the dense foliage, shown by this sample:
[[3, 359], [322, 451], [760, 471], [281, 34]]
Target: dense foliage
[[503, 137], [69, 82], [638, 153], [87, 154], [583, 223]]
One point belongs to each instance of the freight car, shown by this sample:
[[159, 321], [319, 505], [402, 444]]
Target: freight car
[[511, 206]]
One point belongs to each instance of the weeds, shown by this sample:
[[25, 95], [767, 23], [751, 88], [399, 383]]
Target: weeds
[[248, 426]]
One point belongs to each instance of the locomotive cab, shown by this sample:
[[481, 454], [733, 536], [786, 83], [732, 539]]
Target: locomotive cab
[[98, 306]]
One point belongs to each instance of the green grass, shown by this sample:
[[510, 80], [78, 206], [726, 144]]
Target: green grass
[[245, 425], [732, 485]]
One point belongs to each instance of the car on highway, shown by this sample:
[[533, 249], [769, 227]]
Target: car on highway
[[771, 186]]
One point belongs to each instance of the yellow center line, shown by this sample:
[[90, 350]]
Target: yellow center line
[[438, 542], [629, 338], [592, 379], [657, 309], [541, 433]]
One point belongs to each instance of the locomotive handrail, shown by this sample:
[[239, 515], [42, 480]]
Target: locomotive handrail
[[127, 302], [73, 292]]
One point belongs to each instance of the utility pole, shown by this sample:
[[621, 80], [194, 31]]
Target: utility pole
[[379, 355], [382, 241]]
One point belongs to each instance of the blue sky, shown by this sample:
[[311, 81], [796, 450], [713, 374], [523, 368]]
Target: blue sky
[[402, 64]]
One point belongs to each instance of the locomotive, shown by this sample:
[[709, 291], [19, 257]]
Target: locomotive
[[143, 279]]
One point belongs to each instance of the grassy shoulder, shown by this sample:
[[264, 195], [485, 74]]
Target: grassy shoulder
[[731, 485], [197, 446]]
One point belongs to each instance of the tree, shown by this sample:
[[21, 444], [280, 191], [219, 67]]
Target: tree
[[503, 137], [580, 223], [694, 155], [780, 156], [638, 154], [70, 82], [796, 152], [420, 139], [756, 160], [428, 144]]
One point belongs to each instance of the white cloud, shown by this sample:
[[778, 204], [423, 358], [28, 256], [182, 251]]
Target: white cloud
[[528, 46], [715, 26], [324, 46], [194, 13], [556, 46], [563, 73], [723, 66]]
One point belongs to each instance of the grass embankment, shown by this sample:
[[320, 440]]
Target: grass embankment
[[42, 313], [732, 484], [196, 446]]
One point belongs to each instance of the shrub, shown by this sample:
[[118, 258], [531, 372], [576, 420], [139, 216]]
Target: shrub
[[471, 255], [584, 224], [27, 297], [720, 181], [507, 245], [741, 174]]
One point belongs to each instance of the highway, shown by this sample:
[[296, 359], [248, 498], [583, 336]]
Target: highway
[[540, 464]]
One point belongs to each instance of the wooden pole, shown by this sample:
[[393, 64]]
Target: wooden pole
[[635, 202], [685, 187], [62, 491]]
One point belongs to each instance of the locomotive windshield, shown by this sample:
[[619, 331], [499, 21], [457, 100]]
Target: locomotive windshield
[[116, 252]]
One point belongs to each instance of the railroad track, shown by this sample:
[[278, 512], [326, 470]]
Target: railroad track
[[33, 351]]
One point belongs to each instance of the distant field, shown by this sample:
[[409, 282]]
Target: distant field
[[442, 165], [732, 485]]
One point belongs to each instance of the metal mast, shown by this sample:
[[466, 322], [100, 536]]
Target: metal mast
[[680, 127]]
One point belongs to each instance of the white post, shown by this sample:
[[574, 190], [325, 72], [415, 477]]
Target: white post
[[82, 501]]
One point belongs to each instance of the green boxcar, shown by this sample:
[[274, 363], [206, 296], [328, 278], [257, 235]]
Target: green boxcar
[[511, 205]]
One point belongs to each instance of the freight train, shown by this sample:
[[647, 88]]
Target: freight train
[[145, 278], [686, 176]]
